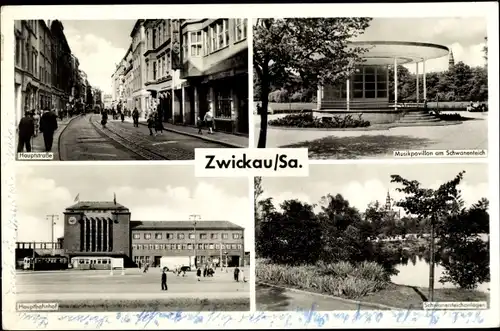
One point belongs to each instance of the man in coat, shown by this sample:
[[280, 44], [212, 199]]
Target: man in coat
[[164, 280], [48, 125], [26, 131]]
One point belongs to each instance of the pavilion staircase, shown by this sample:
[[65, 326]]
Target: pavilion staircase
[[418, 118]]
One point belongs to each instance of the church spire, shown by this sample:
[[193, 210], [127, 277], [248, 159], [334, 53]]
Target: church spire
[[451, 60], [388, 201]]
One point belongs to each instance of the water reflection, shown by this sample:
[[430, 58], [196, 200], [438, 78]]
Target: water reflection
[[414, 271]]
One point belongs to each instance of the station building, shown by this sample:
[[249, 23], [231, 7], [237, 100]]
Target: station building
[[103, 228]]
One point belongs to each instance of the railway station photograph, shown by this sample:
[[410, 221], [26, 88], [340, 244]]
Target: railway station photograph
[[145, 89], [145, 236], [361, 87]]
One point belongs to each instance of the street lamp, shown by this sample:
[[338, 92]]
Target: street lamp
[[53, 218], [226, 260], [195, 218]]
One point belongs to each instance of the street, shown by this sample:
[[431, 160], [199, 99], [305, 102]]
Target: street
[[133, 285], [85, 139], [270, 298]]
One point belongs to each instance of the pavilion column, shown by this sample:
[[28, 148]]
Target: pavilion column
[[91, 234], [424, 79], [395, 83], [348, 94], [319, 96], [105, 230], [85, 234], [418, 87]]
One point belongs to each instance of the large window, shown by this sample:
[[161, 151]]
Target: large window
[[19, 50], [240, 32], [180, 236], [219, 35], [370, 82], [196, 43], [154, 70], [154, 39]]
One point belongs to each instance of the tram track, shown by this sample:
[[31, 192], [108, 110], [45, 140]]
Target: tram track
[[132, 144]]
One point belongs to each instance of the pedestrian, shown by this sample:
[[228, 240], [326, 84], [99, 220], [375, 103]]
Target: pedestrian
[[208, 119], [151, 124], [48, 125], [205, 270], [36, 120], [60, 114], [146, 267], [135, 117], [104, 119], [198, 273], [199, 123], [158, 123], [236, 274], [164, 280], [242, 276], [26, 131], [122, 116]]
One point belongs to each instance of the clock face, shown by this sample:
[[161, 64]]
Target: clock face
[[72, 220]]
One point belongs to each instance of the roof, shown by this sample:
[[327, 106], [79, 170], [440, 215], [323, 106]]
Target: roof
[[175, 225], [110, 205], [136, 26], [406, 52]]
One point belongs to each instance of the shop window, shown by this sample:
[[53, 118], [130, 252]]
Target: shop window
[[240, 29], [223, 103]]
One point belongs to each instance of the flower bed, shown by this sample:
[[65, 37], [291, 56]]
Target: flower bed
[[307, 120]]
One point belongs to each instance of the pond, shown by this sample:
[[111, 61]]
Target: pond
[[416, 273]]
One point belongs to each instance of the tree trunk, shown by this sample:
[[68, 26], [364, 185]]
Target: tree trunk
[[431, 266], [264, 98]]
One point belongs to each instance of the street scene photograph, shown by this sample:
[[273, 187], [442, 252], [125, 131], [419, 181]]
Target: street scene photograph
[[374, 237], [360, 87], [130, 89], [149, 238]]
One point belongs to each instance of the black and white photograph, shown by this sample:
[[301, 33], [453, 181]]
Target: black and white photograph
[[361, 87], [373, 237], [144, 238], [145, 89]]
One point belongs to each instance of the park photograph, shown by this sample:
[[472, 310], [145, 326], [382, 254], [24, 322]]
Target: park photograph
[[382, 236], [361, 87]]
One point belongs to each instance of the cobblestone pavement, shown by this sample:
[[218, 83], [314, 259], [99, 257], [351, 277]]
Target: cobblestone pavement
[[85, 139]]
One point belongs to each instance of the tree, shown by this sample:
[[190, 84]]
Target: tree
[[430, 204], [314, 49], [406, 83], [292, 236], [469, 260]]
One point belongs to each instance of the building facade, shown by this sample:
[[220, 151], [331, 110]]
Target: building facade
[[45, 69], [62, 76], [187, 68], [137, 74], [106, 229], [26, 77], [215, 67]]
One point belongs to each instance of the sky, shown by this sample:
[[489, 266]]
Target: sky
[[361, 184], [151, 192], [98, 45], [463, 35]]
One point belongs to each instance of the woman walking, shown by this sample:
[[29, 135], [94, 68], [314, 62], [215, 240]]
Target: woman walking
[[208, 119]]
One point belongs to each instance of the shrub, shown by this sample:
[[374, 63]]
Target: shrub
[[307, 120], [339, 279], [450, 117]]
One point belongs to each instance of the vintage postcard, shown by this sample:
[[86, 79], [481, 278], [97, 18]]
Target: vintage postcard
[[362, 132]]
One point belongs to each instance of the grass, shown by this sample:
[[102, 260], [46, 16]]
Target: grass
[[177, 304]]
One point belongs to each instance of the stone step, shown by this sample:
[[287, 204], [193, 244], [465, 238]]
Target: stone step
[[403, 120]]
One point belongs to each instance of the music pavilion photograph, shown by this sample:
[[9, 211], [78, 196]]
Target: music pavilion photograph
[[142, 236]]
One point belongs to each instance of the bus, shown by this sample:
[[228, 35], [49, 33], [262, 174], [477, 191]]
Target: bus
[[49, 262]]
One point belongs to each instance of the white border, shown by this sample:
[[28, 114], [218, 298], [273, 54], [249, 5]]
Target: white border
[[238, 320]]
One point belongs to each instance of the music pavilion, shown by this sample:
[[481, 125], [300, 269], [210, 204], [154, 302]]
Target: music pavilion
[[367, 89], [102, 228]]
